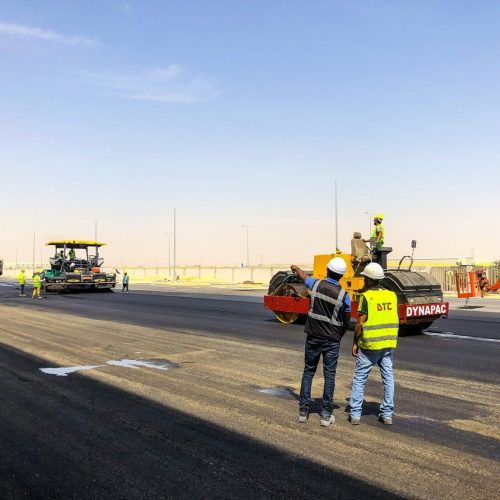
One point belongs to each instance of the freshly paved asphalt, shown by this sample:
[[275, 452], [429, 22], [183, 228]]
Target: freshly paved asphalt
[[56, 446]]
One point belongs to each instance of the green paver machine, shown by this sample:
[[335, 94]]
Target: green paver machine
[[76, 265]]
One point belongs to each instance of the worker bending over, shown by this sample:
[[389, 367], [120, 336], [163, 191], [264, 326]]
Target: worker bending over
[[327, 321], [375, 338], [37, 285]]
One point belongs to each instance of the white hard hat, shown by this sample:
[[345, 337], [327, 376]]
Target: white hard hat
[[373, 271], [337, 265]]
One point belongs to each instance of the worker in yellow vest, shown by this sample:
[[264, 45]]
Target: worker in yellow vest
[[378, 232], [37, 285], [21, 277], [375, 338]]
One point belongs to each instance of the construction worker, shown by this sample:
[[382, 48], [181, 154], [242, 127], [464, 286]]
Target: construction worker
[[21, 277], [72, 254], [378, 232], [375, 338], [327, 321], [125, 281], [37, 285]]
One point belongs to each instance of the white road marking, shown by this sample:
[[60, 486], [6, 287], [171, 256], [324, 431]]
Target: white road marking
[[465, 337], [63, 371], [6, 284], [132, 363]]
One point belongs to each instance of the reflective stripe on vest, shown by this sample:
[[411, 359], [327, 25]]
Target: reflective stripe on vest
[[381, 328], [338, 302], [22, 279], [36, 281]]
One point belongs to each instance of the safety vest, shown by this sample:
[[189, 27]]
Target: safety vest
[[380, 331], [375, 232], [22, 278], [36, 281], [324, 320]]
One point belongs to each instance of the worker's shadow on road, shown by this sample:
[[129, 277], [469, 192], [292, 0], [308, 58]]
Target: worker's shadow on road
[[316, 405], [62, 435], [369, 407]]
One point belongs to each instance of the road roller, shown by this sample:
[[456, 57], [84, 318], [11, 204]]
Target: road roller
[[420, 296]]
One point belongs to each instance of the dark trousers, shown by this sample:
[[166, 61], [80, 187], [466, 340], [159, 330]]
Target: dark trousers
[[125, 287], [330, 351], [22, 288]]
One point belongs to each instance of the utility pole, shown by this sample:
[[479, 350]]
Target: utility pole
[[248, 244], [336, 220], [34, 237], [175, 247], [369, 223], [169, 273]]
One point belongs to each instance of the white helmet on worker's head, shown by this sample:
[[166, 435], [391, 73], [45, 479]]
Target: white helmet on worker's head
[[374, 271], [337, 265]]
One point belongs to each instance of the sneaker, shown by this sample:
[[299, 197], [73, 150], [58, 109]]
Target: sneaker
[[303, 416], [385, 420], [326, 420], [354, 420]]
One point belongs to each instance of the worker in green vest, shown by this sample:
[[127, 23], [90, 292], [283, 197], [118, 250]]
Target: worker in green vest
[[378, 232], [72, 254], [37, 285], [21, 277], [375, 338]]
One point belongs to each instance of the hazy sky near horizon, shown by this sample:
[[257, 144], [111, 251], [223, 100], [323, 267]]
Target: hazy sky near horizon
[[239, 112]]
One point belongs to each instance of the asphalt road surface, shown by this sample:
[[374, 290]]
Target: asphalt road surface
[[172, 394]]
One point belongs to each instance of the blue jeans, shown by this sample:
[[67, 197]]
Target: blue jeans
[[365, 361], [330, 351]]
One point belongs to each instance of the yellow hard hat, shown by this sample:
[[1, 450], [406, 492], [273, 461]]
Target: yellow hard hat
[[38, 271], [22, 270], [379, 216]]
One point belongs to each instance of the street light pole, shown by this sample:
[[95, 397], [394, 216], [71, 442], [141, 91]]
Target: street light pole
[[248, 244], [369, 223], [175, 247], [168, 236], [336, 221], [34, 239]]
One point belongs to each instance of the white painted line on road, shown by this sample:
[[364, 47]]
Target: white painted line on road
[[464, 337], [132, 363], [6, 284], [63, 371]]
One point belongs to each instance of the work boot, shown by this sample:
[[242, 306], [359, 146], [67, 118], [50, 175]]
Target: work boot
[[326, 420], [385, 420], [303, 416], [354, 420]]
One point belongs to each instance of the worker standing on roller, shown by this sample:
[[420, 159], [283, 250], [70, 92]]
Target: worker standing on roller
[[327, 321], [375, 338], [378, 232], [22, 281]]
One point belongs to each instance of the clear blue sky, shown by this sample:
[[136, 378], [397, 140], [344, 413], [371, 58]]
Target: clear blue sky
[[240, 112]]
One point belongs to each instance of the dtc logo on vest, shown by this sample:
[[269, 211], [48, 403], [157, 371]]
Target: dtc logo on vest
[[384, 306]]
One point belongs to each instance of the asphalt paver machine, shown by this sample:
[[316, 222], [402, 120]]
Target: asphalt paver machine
[[76, 265], [420, 296]]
